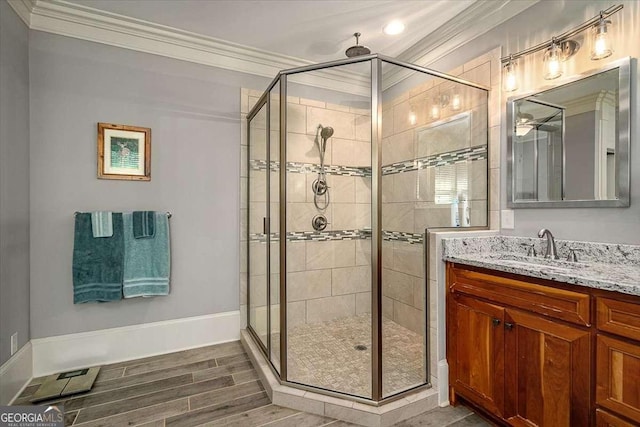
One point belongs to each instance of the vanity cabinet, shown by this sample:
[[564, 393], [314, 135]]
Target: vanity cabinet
[[532, 352]]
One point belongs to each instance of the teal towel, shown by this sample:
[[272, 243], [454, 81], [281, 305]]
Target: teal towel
[[143, 224], [97, 263], [147, 261], [101, 224]]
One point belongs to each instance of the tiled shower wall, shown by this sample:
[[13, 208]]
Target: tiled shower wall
[[409, 185], [328, 273]]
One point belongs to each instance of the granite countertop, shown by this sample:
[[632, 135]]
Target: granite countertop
[[610, 267]]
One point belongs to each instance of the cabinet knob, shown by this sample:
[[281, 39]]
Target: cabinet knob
[[495, 321], [508, 326]]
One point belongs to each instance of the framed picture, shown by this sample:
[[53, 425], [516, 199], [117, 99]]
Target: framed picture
[[124, 152]]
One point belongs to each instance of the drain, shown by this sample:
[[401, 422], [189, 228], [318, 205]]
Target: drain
[[360, 347]]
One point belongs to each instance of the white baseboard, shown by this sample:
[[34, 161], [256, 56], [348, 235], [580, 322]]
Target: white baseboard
[[15, 374], [73, 351]]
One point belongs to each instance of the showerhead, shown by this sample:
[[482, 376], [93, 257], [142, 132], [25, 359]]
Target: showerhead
[[326, 132], [357, 50]]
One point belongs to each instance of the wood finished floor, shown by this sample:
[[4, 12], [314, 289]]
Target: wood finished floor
[[212, 386]]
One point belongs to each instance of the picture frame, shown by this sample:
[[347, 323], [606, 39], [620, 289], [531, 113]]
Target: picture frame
[[124, 152]]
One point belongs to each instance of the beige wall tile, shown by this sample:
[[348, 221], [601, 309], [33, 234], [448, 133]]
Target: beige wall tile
[[344, 253], [299, 216], [409, 317], [296, 313], [319, 255], [343, 188], [296, 187], [308, 284], [398, 216], [494, 147], [401, 113], [363, 189], [387, 307], [409, 258], [398, 286], [296, 118], [303, 149], [398, 147], [342, 123], [494, 196], [363, 128], [363, 251], [363, 303], [477, 180], [296, 256], [349, 280], [405, 186], [324, 309]]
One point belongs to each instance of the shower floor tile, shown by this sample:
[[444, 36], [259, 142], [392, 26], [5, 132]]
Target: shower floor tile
[[325, 355]]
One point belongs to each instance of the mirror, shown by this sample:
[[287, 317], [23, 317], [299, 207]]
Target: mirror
[[568, 146]]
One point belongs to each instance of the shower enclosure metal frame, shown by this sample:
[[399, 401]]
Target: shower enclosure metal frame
[[376, 61]]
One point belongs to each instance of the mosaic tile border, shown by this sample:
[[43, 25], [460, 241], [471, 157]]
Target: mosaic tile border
[[315, 236], [324, 236], [295, 167], [400, 236], [443, 159]]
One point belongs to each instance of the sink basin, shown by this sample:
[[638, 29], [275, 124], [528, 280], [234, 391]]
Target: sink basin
[[521, 260]]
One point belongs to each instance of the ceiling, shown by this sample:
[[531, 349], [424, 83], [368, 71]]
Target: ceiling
[[312, 30]]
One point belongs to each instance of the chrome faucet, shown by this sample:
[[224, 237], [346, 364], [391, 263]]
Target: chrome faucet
[[551, 251]]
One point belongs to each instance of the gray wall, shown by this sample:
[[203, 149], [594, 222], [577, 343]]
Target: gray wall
[[14, 180], [193, 112], [537, 24]]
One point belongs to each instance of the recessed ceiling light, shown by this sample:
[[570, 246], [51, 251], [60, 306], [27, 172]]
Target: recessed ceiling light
[[393, 28]]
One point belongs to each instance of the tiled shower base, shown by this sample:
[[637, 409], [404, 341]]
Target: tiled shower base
[[323, 355], [330, 355]]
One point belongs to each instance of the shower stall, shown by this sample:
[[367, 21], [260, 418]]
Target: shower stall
[[349, 162]]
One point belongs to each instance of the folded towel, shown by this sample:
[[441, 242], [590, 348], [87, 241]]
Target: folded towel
[[147, 261], [101, 224], [97, 263], [143, 224]]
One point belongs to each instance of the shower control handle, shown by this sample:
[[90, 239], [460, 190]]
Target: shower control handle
[[319, 222]]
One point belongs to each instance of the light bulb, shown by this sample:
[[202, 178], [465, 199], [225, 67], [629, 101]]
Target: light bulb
[[435, 110], [552, 66], [510, 76], [600, 40], [412, 118], [456, 102]]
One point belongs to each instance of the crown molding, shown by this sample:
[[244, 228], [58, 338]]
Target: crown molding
[[22, 9], [86, 23]]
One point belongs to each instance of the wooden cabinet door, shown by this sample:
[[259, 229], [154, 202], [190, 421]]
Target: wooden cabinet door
[[618, 377], [547, 371], [476, 352]]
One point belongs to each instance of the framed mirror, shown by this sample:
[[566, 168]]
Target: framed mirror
[[568, 146]]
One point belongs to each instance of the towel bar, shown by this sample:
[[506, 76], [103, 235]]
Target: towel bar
[[169, 215]]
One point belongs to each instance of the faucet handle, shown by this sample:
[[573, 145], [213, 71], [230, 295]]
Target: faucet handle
[[532, 249], [572, 256]]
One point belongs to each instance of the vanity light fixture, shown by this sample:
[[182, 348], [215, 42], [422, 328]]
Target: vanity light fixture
[[456, 102], [560, 48], [510, 75], [393, 28], [551, 60], [434, 109], [601, 47]]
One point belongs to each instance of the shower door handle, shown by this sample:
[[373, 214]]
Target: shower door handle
[[265, 226]]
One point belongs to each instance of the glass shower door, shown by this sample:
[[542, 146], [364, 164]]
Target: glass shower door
[[258, 237]]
